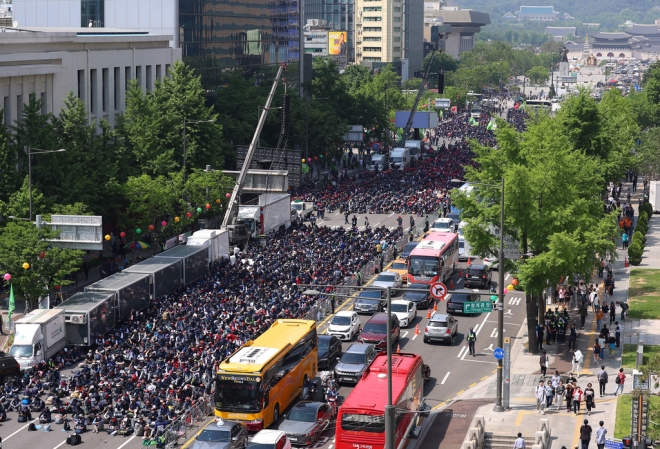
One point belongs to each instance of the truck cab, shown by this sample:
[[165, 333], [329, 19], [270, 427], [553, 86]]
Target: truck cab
[[400, 158], [27, 348], [378, 162]]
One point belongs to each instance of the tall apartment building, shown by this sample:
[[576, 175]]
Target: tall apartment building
[[339, 16], [390, 31]]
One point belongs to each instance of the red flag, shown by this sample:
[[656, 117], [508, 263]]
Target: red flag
[[516, 106]]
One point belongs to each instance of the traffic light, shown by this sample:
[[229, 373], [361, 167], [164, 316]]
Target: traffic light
[[441, 83], [286, 107]]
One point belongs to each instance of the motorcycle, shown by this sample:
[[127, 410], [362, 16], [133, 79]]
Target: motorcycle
[[332, 401], [309, 392]]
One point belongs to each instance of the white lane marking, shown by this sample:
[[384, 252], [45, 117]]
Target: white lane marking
[[481, 326], [390, 215], [19, 430], [61, 444], [508, 276], [490, 348], [494, 333], [509, 312], [414, 336], [376, 225], [460, 353], [475, 328], [445, 378], [513, 301], [127, 441]]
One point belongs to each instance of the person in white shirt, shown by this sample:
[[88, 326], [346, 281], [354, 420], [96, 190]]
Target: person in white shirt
[[600, 435], [539, 392], [520, 442]]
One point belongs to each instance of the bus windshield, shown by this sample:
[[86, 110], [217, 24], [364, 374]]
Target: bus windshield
[[423, 266], [234, 394], [363, 423]]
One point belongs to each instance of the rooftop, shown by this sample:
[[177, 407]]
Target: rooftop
[[643, 29], [610, 36], [560, 31], [458, 17], [537, 10]]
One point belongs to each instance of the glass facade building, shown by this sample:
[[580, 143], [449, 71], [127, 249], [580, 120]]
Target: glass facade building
[[339, 14], [217, 34], [92, 13]]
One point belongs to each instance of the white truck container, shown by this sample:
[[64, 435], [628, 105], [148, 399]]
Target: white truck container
[[416, 147], [216, 240], [400, 158], [38, 336], [302, 209], [272, 213], [378, 162], [654, 195]]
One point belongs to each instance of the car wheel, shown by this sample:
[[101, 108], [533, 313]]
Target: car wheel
[[276, 413], [426, 340]]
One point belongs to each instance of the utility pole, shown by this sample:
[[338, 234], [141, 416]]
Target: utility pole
[[500, 310]]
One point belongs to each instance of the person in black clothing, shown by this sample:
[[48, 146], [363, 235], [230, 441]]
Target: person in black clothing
[[539, 336], [572, 339]]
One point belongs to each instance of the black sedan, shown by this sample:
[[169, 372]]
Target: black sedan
[[420, 294], [408, 249], [329, 350]]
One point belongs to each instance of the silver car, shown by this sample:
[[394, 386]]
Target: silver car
[[306, 421], [441, 327], [388, 279], [221, 435]]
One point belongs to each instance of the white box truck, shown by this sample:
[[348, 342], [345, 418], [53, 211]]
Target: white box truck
[[416, 148], [654, 195], [378, 162], [216, 240], [400, 158], [38, 336], [272, 213]]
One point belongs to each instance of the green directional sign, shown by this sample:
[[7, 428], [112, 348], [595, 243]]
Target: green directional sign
[[477, 307]]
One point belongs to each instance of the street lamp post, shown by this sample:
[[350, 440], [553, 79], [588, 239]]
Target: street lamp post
[[30, 152], [390, 411], [184, 141], [500, 310]]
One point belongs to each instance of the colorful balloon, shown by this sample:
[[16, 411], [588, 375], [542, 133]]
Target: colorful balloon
[[506, 290], [515, 282], [122, 234], [26, 265], [42, 255], [138, 231], [199, 210], [303, 161], [510, 287], [227, 195], [217, 201], [188, 214], [208, 206], [7, 277], [176, 219], [107, 237], [151, 227], [163, 223]]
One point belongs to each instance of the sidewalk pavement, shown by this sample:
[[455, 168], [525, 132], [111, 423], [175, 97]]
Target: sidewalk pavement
[[525, 372]]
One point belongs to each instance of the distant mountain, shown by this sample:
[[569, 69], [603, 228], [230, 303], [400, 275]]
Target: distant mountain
[[611, 14]]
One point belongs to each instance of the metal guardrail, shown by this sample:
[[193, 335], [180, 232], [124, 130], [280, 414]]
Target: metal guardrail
[[184, 426]]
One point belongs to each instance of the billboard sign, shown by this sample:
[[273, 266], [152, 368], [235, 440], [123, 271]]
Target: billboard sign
[[337, 43]]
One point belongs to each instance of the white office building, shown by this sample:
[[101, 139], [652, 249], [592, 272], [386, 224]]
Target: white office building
[[95, 64]]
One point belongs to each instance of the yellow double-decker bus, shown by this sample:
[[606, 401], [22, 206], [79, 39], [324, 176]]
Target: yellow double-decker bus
[[261, 379]]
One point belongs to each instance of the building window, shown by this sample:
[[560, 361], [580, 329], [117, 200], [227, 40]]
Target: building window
[[92, 91], [396, 19], [396, 49], [373, 29], [371, 59], [373, 8], [396, 9], [138, 75], [372, 39], [19, 106], [92, 13], [396, 29], [167, 70], [396, 39], [159, 73], [44, 107], [117, 83], [373, 19], [7, 106], [104, 89], [373, 49], [148, 83], [81, 84]]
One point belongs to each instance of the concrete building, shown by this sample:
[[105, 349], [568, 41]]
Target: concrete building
[[390, 31], [544, 13], [339, 16], [464, 25], [316, 37], [95, 64], [560, 33], [611, 45]]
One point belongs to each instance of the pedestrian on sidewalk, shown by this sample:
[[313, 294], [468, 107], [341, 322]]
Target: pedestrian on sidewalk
[[520, 442], [585, 434], [589, 398], [602, 342], [599, 320], [620, 381], [543, 361], [612, 312], [572, 340], [602, 380], [583, 314], [570, 389], [549, 395], [560, 392], [617, 333], [539, 336], [624, 309], [578, 397], [600, 435], [624, 240], [539, 392], [596, 352]]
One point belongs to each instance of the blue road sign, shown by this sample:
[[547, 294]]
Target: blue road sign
[[498, 353]]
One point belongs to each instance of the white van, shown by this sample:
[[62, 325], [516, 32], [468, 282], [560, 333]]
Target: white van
[[378, 162], [400, 158], [415, 147]]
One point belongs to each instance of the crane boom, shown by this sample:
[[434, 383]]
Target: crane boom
[[420, 91], [240, 180]]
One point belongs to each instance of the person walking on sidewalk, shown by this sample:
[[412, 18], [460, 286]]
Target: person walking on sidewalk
[[600, 435], [624, 240], [549, 395], [617, 333], [569, 395], [602, 380], [539, 336], [596, 352], [583, 314], [578, 397], [520, 442], [589, 398], [539, 392], [560, 392], [543, 361], [620, 380], [612, 312], [572, 339], [585, 434]]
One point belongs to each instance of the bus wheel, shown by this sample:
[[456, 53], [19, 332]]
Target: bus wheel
[[276, 413]]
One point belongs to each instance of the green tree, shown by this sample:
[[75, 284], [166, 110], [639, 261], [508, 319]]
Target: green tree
[[8, 161], [441, 61], [22, 242], [538, 75]]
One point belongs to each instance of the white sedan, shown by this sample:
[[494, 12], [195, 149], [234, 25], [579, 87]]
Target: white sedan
[[406, 311], [390, 279], [345, 325]]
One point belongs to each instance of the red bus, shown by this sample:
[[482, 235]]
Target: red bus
[[434, 259], [361, 418]]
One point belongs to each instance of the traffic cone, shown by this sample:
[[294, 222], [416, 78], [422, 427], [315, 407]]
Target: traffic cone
[[417, 330], [451, 284], [460, 271], [428, 313], [398, 349], [435, 306], [469, 262]]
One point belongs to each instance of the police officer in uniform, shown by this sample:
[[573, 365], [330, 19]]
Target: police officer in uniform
[[471, 340]]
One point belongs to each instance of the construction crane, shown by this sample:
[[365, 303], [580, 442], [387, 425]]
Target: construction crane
[[420, 91], [240, 180]]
